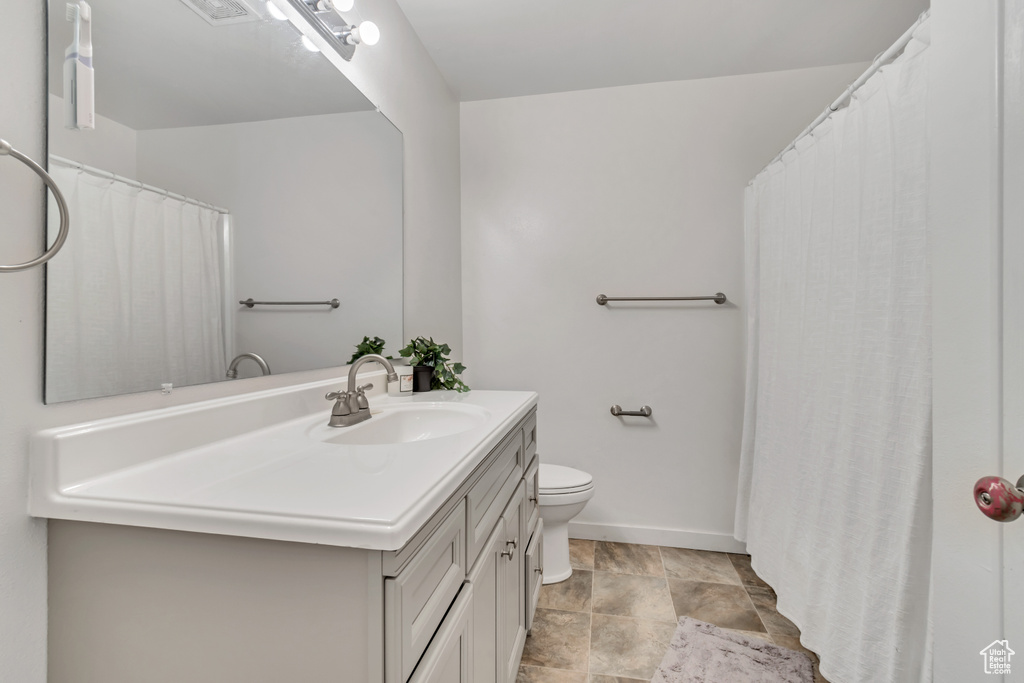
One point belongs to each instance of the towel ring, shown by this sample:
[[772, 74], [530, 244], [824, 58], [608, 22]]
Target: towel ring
[[62, 236]]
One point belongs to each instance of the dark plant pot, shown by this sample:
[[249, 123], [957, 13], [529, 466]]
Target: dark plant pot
[[421, 376]]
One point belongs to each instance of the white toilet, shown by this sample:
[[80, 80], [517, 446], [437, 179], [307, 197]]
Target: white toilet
[[563, 493]]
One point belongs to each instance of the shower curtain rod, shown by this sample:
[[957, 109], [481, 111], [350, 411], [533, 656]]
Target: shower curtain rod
[[100, 173], [879, 62]]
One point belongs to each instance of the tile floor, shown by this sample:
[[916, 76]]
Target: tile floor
[[612, 620]]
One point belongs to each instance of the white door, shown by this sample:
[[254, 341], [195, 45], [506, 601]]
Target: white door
[[1013, 318], [977, 245]]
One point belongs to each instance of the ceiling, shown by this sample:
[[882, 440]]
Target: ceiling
[[504, 48], [159, 65]]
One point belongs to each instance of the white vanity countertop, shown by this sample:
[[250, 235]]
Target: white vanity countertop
[[182, 468]]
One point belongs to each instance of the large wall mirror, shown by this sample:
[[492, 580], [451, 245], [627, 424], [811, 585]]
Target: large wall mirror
[[228, 162]]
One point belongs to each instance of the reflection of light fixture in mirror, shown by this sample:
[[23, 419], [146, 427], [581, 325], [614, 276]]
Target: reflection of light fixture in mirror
[[274, 11], [365, 33], [338, 6], [309, 44], [325, 16]]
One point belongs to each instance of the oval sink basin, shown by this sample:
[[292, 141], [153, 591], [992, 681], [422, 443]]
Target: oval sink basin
[[405, 424]]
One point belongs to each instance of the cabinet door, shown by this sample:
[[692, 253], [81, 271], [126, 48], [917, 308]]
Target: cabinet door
[[448, 658], [488, 581], [513, 609], [417, 599], [534, 561]]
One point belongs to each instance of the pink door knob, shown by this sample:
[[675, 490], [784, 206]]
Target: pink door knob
[[999, 499]]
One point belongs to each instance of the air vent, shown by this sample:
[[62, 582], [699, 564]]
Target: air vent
[[223, 12]]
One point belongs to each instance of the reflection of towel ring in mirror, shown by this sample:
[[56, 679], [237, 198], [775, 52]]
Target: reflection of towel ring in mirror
[[62, 236]]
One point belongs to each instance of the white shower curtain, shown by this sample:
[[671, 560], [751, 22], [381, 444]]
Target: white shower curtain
[[835, 482], [136, 298]]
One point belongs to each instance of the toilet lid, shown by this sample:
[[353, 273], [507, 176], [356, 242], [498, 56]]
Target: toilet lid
[[559, 479]]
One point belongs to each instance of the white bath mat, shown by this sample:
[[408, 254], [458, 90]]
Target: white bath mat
[[704, 653]]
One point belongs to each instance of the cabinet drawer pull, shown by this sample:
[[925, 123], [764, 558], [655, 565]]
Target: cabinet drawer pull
[[508, 553], [538, 570], [514, 543]]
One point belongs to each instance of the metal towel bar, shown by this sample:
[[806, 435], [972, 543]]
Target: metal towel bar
[[62, 236], [718, 298], [333, 303]]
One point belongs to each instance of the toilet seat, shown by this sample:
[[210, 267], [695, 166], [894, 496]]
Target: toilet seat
[[560, 480]]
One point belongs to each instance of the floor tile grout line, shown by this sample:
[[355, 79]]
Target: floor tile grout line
[[590, 644], [668, 588], [590, 631], [757, 610]]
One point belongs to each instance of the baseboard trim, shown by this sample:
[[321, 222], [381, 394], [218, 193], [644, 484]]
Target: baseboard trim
[[672, 538]]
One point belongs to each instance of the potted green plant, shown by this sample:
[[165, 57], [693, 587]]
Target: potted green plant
[[426, 353], [375, 345]]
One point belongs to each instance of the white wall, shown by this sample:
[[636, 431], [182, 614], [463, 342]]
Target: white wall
[[316, 207], [22, 539], [111, 146], [412, 94], [419, 102], [631, 191]]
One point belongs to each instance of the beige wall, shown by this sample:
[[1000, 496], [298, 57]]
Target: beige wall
[[409, 90], [631, 191]]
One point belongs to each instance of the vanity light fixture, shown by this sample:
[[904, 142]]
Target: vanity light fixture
[[325, 17]]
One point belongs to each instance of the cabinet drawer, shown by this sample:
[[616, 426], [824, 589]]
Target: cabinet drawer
[[530, 437], [532, 479], [534, 572], [449, 658], [488, 496], [416, 600]]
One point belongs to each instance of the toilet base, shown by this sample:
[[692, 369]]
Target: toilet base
[[556, 552]]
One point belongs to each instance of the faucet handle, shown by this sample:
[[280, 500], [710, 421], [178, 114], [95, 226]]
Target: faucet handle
[[340, 399], [361, 397]]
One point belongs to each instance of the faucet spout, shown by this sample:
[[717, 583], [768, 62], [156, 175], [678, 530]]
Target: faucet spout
[[233, 368], [392, 375]]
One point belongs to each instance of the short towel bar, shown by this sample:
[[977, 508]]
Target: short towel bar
[[718, 298], [645, 411]]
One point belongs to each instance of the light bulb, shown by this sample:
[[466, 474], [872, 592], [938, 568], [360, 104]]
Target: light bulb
[[340, 6], [275, 11], [366, 33], [309, 44]]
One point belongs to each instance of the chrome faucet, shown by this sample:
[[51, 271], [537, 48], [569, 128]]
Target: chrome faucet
[[351, 406], [233, 368]]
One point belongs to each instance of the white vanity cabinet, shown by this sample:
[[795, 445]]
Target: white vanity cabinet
[[133, 603]]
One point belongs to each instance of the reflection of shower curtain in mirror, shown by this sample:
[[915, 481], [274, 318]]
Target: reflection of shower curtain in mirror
[[136, 298]]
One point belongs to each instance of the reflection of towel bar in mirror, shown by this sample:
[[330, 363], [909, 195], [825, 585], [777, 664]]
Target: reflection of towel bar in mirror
[[718, 298], [249, 303]]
